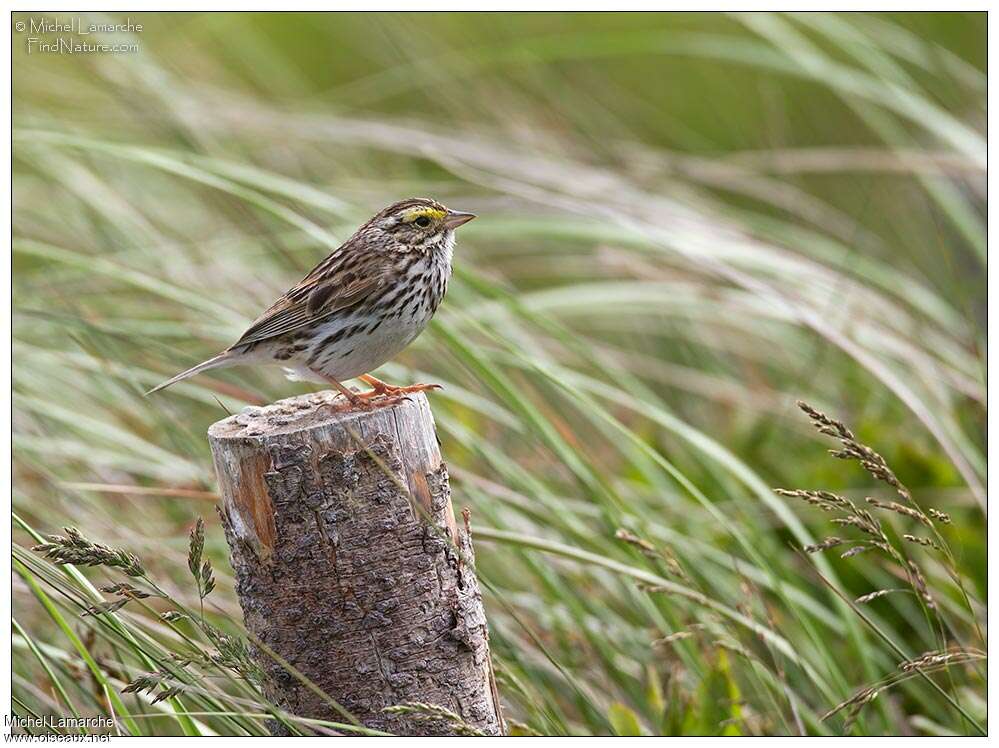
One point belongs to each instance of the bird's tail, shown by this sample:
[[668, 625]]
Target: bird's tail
[[226, 358]]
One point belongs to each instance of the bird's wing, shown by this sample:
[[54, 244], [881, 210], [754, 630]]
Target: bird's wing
[[324, 291]]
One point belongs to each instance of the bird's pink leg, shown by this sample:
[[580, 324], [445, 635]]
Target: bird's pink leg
[[380, 388], [356, 400]]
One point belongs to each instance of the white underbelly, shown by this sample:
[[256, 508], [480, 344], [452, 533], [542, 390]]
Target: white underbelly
[[354, 354]]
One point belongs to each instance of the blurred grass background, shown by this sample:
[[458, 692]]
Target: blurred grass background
[[687, 222]]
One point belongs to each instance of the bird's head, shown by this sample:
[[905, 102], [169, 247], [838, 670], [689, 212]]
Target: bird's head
[[419, 224]]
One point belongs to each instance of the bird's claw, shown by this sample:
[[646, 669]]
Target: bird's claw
[[382, 395], [415, 388]]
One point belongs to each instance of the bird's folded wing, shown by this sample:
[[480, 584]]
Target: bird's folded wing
[[310, 302]]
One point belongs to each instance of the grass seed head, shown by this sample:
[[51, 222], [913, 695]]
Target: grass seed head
[[75, 549]]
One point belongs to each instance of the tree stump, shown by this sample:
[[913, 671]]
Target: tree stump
[[350, 566]]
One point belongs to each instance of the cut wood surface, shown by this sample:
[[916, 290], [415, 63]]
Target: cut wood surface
[[350, 566]]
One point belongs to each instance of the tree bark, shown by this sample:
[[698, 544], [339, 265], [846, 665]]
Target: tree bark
[[350, 566]]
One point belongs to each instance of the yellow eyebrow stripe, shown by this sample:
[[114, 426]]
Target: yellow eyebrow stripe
[[433, 213]]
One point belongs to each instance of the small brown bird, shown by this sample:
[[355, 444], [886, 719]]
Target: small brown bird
[[359, 307]]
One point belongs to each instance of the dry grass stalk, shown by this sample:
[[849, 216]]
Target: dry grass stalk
[[852, 449], [919, 584], [869, 524], [126, 593], [865, 545], [875, 464], [649, 550], [854, 705], [824, 545], [862, 519], [150, 682], [231, 652], [201, 570], [894, 506], [936, 659], [876, 594], [644, 546], [76, 549], [824, 500], [919, 540], [941, 517], [679, 635], [928, 662]]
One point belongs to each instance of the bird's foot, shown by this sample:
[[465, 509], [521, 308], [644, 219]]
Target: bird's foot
[[380, 394], [344, 403], [354, 400], [392, 390], [384, 393]]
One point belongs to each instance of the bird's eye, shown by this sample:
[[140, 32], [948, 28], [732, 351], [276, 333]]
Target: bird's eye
[[422, 222]]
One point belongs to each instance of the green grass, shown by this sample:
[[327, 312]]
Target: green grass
[[687, 223]]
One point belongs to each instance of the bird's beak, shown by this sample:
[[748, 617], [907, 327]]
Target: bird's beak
[[456, 218]]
